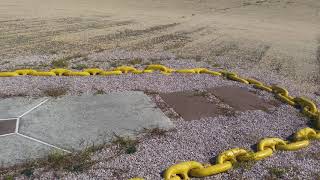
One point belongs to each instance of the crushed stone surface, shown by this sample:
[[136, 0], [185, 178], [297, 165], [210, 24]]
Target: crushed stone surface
[[201, 140]]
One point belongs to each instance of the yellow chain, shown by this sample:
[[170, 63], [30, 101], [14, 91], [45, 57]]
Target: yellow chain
[[226, 159]]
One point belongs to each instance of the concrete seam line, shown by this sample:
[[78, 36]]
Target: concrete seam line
[[4, 135], [42, 142], [17, 125], [34, 107]]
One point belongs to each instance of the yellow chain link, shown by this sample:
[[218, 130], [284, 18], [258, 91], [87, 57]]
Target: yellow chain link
[[125, 69], [181, 169], [43, 73], [93, 71], [107, 73], [74, 73], [8, 74], [210, 170], [234, 76], [283, 95], [307, 134], [58, 72], [25, 71]]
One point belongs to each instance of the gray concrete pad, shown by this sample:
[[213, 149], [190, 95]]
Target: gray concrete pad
[[73, 122], [16, 106], [17, 149]]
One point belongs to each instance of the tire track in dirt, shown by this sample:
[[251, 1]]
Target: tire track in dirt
[[22, 37]]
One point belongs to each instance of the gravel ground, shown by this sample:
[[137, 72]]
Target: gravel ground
[[199, 140]]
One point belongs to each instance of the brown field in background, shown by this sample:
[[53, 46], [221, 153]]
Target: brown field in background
[[281, 36]]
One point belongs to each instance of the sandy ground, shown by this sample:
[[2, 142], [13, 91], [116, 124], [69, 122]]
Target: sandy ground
[[273, 35]]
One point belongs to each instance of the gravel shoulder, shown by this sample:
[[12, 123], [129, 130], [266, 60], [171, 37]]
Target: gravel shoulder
[[199, 140]]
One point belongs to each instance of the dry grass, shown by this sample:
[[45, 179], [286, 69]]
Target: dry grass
[[155, 131], [79, 66], [277, 172], [135, 61], [126, 144], [60, 63], [55, 92], [56, 161], [99, 91]]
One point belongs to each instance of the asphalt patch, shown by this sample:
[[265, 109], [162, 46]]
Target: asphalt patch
[[192, 105], [7, 126], [240, 98]]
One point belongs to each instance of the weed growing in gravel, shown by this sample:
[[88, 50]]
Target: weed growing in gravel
[[114, 64], [278, 172], [99, 91], [79, 66], [57, 160], [55, 92], [126, 144], [245, 165], [216, 65], [60, 63], [154, 131], [28, 172], [9, 177], [75, 162], [135, 61], [64, 62]]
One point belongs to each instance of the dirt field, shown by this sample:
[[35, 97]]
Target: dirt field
[[264, 35]]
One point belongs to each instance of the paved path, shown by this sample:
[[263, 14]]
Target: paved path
[[33, 127]]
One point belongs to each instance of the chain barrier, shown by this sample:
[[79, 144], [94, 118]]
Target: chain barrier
[[225, 161]]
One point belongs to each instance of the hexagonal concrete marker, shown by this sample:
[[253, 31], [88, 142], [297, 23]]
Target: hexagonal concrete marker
[[74, 122], [17, 149], [16, 106]]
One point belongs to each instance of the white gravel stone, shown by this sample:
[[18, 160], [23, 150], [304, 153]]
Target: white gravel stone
[[199, 140]]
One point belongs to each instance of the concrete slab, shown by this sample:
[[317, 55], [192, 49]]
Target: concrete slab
[[17, 149], [73, 122], [16, 106]]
